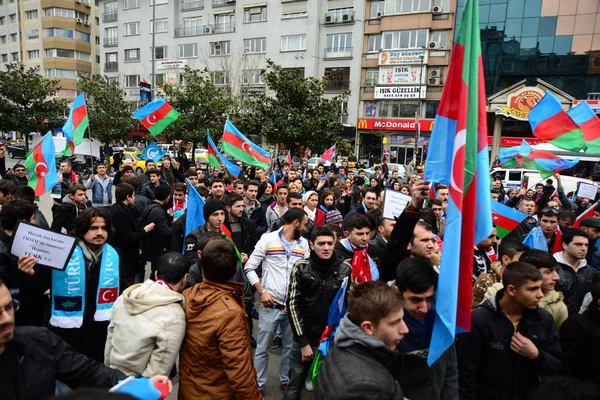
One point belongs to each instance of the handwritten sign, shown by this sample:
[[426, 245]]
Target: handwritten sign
[[587, 190], [394, 203], [52, 250]]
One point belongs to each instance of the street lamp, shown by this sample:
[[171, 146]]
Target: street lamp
[[418, 110]]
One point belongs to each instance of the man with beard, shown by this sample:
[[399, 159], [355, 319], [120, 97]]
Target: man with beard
[[18, 175], [277, 252], [253, 208], [314, 282]]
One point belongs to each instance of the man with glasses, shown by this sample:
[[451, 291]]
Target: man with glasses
[[18, 177]]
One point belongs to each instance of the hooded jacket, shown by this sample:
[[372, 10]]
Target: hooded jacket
[[358, 367], [573, 284], [489, 369], [215, 361], [146, 330]]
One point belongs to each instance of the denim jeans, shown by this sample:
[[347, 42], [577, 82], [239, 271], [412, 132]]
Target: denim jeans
[[268, 321], [298, 373]]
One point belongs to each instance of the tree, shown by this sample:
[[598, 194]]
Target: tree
[[108, 112], [203, 106], [344, 148], [27, 102], [294, 110]]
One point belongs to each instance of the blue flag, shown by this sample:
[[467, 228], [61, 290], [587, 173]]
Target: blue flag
[[153, 152], [536, 239], [272, 177], [195, 211]]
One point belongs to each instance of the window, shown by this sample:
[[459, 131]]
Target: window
[[111, 80], [159, 79], [132, 55], [33, 34], [127, 4], [300, 14], [64, 53], [409, 39], [84, 37], [255, 14], [339, 45], [398, 108], [2, 19], [188, 50], [224, 23], [338, 78], [221, 48], [4, 57], [161, 25], [132, 80], [406, 6], [253, 77], [111, 36], [440, 37], [371, 76], [131, 29], [60, 73], [374, 43], [431, 108], [56, 32], [192, 26], [376, 9], [256, 45], [110, 7], [32, 14], [339, 15], [160, 52], [33, 54], [220, 77], [3, 39], [13, 37], [293, 43], [12, 18], [15, 56]]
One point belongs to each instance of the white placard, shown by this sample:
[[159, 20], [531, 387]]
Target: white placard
[[402, 75], [400, 92], [171, 64], [394, 203], [587, 190], [53, 250]]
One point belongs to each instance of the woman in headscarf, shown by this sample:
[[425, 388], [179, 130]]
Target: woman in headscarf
[[311, 200]]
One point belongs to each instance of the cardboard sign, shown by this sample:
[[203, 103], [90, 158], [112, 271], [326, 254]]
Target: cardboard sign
[[587, 190], [52, 250], [394, 203]]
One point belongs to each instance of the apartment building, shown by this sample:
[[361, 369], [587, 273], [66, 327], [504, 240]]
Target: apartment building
[[233, 39], [405, 57], [59, 36]]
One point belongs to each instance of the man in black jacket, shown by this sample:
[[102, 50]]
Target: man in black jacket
[[140, 202], [574, 272], [314, 282], [127, 237], [242, 229], [511, 336], [158, 241], [214, 215], [385, 227], [365, 342], [252, 207], [64, 214]]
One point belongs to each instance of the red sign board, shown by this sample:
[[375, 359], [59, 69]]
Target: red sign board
[[394, 124], [513, 141]]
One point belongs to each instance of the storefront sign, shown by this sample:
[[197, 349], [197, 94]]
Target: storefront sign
[[594, 104], [397, 140], [400, 92], [520, 103], [403, 75], [394, 124], [170, 64], [400, 57], [513, 141]]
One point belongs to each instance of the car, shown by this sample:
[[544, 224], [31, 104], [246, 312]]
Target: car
[[198, 154], [391, 168], [16, 150], [314, 162], [295, 161], [139, 165]]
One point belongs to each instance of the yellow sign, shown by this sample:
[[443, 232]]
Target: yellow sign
[[520, 103]]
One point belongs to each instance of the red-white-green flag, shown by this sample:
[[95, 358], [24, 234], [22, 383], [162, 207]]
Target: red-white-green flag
[[458, 157], [76, 125], [156, 116]]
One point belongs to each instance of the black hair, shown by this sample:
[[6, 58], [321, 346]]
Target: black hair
[[538, 258], [75, 186], [133, 181], [293, 214], [511, 247], [153, 172], [127, 168], [281, 186], [321, 231], [217, 180], [435, 202], [238, 182], [148, 162], [162, 192], [251, 182], [24, 192], [423, 225], [232, 198], [123, 190], [567, 214], [7, 187], [570, 234], [357, 221], [67, 161], [15, 211], [205, 182], [293, 195], [416, 275], [85, 218], [172, 267], [206, 237], [369, 190], [179, 187], [190, 173], [519, 273], [219, 260]]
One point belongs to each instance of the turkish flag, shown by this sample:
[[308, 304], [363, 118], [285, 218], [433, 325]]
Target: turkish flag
[[108, 295]]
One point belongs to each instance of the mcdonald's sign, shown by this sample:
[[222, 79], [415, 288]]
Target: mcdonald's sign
[[394, 124]]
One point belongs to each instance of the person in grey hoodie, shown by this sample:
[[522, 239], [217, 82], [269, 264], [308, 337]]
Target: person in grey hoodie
[[358, 367], [148, 322]]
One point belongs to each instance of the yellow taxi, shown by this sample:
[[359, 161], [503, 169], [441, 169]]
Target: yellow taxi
[[139, 165]]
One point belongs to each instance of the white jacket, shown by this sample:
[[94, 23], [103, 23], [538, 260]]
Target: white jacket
[[146, 330], [276, 264]]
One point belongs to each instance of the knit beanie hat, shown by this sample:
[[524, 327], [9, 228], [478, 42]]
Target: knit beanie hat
[[333, 216], [211, 206]]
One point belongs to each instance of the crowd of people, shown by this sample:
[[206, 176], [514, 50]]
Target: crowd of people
[[274, 253]]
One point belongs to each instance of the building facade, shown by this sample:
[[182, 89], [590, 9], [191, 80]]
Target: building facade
[[58, 36], [405, 57], [233, 39]]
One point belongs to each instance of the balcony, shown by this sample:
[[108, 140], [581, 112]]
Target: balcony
[[204, 30], [112, 66], [336, 17], [187, 5], [109, 17], [222, 3], [111, 42], [338, 86], [338, 52]]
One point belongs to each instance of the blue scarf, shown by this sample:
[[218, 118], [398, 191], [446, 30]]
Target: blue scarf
[[68, 289]]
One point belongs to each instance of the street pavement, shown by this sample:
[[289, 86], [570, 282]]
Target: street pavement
[[272, 391]]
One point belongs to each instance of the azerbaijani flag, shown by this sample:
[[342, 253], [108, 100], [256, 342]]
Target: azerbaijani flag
[[586, 214], [41, 165], [551, 123], [76, 125], [156, 116], [215, 158], [329, 153], [458, 158], [524, 156], [228, 236], [583, 115], [505, 218], [241, 148], [432, 192], [289, 158]]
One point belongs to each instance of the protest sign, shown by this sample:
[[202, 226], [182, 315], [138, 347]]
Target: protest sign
[[587, 190], [52, 250], [394, 204]]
